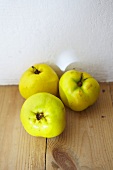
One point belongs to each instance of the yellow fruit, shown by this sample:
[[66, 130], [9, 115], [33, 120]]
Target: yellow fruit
[[78, 90], [43, 114], [38, 78]]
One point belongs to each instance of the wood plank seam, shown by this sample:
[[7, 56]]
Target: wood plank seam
[[45, 153]]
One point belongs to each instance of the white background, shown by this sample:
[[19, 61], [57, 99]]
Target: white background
[[34, 31]]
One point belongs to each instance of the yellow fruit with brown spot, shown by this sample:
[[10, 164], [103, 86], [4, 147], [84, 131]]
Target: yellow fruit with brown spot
[[43, 115], [78, 90], [38, 78]]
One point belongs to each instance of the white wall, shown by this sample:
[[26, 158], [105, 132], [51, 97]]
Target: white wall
[[39, 30]]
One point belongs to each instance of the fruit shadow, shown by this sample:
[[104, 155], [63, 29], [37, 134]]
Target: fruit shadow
[[97, 71], [55, 68]]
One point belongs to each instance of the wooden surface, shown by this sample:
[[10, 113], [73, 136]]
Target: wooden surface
[[86, 143]]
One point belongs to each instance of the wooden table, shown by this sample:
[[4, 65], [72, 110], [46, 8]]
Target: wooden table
[[86, 143]]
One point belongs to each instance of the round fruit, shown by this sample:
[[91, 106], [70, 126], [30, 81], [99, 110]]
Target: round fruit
[[38, 78], [43, 114], [78, 90]]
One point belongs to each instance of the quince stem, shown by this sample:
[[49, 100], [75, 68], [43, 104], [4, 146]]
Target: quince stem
[[36, 71], [80, 82], [39, 116]]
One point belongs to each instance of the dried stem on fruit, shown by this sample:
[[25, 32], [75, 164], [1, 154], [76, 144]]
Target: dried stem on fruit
[[35, 70]]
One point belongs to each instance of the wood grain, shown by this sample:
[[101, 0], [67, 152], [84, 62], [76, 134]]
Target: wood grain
[[86, 143], [18, 150]]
